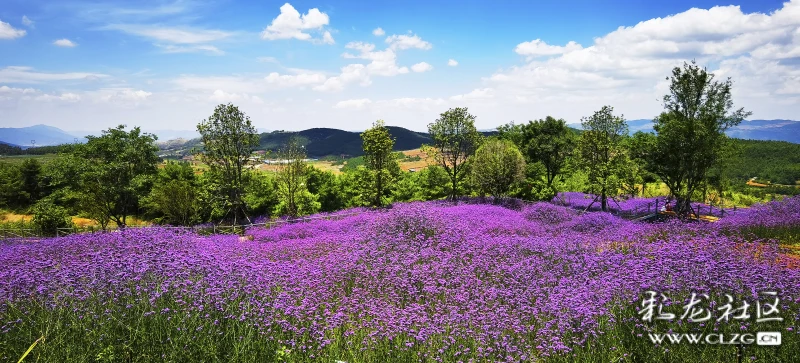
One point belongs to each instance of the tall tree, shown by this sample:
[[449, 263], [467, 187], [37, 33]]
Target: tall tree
[[496, 166], [228, 139], [548, 141], [690, 133], [640, 146], [31, 170], [12, 187], [602, 153], [455, 139], [379, 159], [114, 170], [291, 177]]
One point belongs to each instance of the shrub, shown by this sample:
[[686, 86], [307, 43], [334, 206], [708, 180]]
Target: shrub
[[48, 218]]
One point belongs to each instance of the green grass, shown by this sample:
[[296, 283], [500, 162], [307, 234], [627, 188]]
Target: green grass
[[18, 159], [130, 329]]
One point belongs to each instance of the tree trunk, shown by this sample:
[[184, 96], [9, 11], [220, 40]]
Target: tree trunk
[[453, 192], [603, 201]]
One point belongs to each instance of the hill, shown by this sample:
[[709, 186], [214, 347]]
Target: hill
[[773, 130], [43, 135]]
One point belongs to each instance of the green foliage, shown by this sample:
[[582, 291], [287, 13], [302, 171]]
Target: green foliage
[[690, 134], [379, 160], [228, 140], [777, 162], [352, 164], [114, 173], [305, 203], [175, 197], [31, 170], [329, 189], [454, 140], [291, 179], [261, 197], [496, 166], [12, 192], [602, 153], [434, 183], [407, 187], [48, 218]]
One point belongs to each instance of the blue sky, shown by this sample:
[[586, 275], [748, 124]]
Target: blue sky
[[89, 65]]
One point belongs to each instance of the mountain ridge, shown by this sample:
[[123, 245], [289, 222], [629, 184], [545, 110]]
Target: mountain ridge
[[324, 141]]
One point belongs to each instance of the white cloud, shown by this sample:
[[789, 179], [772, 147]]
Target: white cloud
[[627, 67], [356, 103], [537, 47], [383, 63], [9, 32], [378, 32], [9, 90], [183, 35], [401, 42], [222, 96], [452, 63], [421, 67], [290, 24], [302, 79], [351, 73], [234, 84], [327, 38], [476, 94], [411, 103], [27, 21], [201, 48], [65, 43], [67, 97], [27, 75]]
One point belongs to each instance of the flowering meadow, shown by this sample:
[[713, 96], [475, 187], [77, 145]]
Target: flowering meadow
[[427, 282]]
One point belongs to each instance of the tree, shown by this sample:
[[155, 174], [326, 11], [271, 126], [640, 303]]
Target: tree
[[12, 187], [228, 139], [455, 139], [550, 142], [496, 166], [174, 198], [407, 187], [546, 145], [435, 183], [602, 153], [114, 171], [379, 159], [262, 194], [48, 218], [690, 133], [291, 175], [640, 146], [328, 189], [31, 170]]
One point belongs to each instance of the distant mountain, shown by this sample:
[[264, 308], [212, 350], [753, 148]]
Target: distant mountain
[[321, 142], [42, 135], [775, 130], [163, 135]]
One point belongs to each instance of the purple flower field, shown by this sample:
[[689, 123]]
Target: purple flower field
[[418, 282]]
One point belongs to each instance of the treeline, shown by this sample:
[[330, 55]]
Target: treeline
[[776, 162], [117, 175], [11, 150]]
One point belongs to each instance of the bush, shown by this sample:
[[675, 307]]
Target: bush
[[48, 218]]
